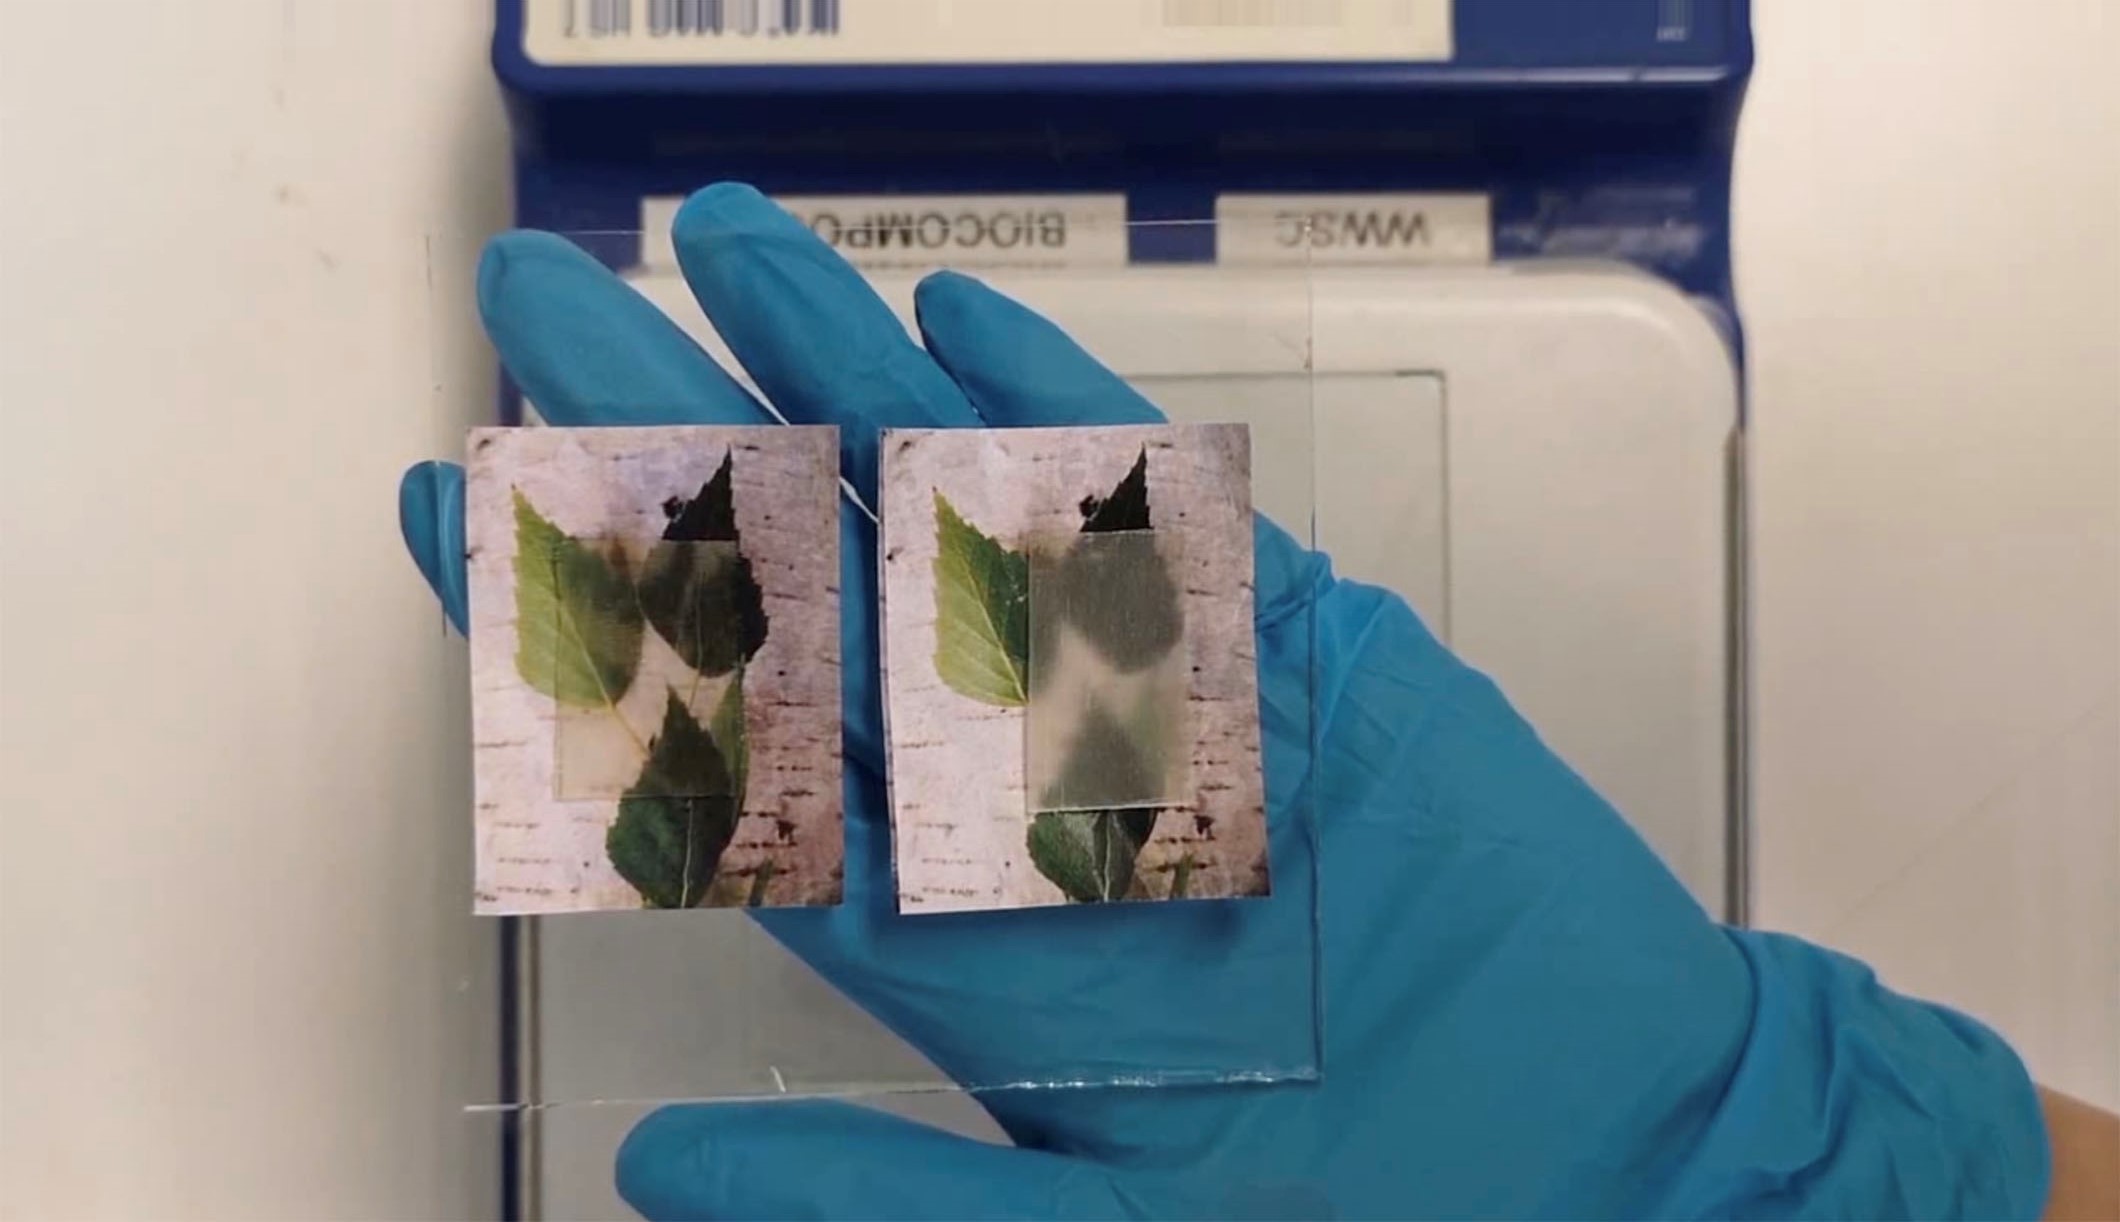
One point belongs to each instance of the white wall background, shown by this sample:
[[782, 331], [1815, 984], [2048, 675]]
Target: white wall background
[[234, 977], [1928, 238], [238, 974]]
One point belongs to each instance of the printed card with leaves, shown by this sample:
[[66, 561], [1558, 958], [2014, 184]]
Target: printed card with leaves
[[655, 667], [1070, 668]]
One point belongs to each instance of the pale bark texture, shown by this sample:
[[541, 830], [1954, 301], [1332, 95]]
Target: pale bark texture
[[537, 853], [957, 767]]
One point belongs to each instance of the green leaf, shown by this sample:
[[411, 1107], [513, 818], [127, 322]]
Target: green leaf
[[706, 603], [982, 612], [726, 725], [577, 625], [704, 600], [666, 846], [1090, 854], [709, 517], [1126, 508]]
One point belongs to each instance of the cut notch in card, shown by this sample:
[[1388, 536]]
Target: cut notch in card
[[1108, 668]]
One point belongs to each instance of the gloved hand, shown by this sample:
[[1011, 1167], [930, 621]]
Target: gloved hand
[[1524, 1014]]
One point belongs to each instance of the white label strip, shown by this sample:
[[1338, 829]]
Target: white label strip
[[800, 32], [1354, 229], [925, 231]]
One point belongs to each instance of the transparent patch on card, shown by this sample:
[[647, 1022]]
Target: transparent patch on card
[[607, 1014], [1108, 667], [677, 732], [1107, 749]]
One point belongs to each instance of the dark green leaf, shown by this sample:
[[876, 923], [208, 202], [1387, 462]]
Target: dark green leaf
[[1125, 509], [667, 846], [726, 725], [697, 588], [1090, 854], [704, 600], [577, 625], [982, 612], [709, 517]]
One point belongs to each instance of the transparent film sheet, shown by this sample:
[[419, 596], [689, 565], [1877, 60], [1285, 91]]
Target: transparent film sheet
[[562, 1157], [1106, 724], [612, 1012], [686, 678]]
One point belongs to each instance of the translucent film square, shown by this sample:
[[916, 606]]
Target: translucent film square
[[672, 731], [1108, 670]]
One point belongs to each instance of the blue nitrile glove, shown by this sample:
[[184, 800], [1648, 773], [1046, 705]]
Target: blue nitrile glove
[[1524, 1013]]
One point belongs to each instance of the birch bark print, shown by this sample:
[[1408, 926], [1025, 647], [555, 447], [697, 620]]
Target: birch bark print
[[1070, 671], [655, 667]]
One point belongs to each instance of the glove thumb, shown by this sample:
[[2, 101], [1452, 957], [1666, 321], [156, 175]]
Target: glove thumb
[[813, 1159]]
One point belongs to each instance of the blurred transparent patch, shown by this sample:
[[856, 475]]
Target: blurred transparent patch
[[1108, 670], [603, 750]]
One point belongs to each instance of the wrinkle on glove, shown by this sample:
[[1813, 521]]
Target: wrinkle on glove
[[1525, 1014]]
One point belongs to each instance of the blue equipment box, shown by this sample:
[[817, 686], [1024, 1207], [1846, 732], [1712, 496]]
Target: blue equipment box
[[1598, 128]]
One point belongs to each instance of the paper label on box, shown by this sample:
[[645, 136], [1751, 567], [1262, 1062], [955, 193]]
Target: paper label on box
[[619, 33], [972, 232], [1354, 229]]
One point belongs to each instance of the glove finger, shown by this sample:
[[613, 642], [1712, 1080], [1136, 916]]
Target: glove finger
[[815, 1159], [431, 518], [808, 328], [1018, 369], [587, 349]]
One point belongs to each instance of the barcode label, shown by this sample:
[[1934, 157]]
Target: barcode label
[[618, 33], [598, 19]]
